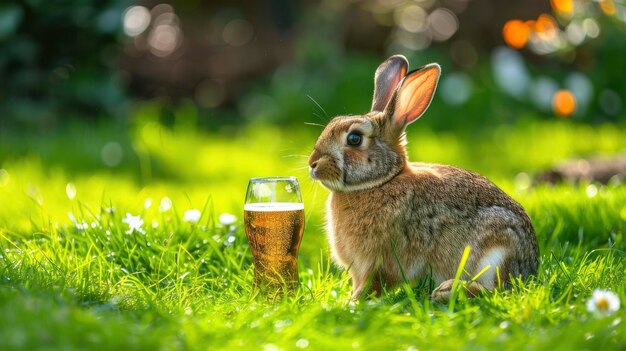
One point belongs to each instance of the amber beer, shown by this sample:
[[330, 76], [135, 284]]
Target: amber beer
[[274, 231]]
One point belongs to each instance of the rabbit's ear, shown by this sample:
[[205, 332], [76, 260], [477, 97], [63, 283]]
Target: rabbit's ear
[[388, 76], [414, 94]]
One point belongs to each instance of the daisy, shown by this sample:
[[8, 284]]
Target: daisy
[[227, 219], [192, 216], [603, 303], [134, 223]]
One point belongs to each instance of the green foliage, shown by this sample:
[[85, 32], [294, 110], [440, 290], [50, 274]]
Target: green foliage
[[57, 60], [83, 280]]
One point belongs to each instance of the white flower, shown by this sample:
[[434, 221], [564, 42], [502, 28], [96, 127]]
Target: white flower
[[192, 216], [134, 223], [227, 218], [302, 343], [79, 225], [603, 303], [147, 203], [230, 240], [166, 204]]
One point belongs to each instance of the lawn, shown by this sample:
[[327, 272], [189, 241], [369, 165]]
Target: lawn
[[73, 276]]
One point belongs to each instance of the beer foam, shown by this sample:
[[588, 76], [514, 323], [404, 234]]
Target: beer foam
[[273, 206]]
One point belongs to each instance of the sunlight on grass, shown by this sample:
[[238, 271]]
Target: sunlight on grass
[[136, 256]]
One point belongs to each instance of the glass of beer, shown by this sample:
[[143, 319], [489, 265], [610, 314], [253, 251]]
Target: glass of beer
[[274, 223]]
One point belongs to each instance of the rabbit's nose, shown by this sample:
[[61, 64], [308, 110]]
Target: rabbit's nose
[[312, 167], [314, 159]]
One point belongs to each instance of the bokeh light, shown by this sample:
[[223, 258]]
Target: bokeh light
[[575, 33], [413, 41], [160, 9], [443, 24], [592, 190], [564, 103], [563, 6], [156, 30], [456, 88], [546, 27], [417, 24], [573, 23], [164, 39], [412, 18], [545, 35], [112, 154], [516, 33], [608, 7], [581, 87], [136, 20], [70, 191], [510, 71], [591, 27]]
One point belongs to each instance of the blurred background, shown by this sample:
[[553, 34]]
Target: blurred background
[[227, 63]]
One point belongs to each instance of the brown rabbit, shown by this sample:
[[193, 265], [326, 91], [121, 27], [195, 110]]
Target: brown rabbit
[[389, 219]]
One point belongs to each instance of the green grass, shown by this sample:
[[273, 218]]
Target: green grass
[[66, 285]]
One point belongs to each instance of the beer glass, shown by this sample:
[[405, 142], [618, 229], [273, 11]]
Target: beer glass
[[274, 223]]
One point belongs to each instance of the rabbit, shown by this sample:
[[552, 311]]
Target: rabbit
[[390, 220]]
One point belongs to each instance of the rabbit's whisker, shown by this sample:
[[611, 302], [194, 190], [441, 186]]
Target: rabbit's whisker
[[300, 169], [313, 187], [319, 106], [314, 124]]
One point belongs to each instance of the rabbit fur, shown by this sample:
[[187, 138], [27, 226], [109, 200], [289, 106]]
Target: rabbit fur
[[391, 220]]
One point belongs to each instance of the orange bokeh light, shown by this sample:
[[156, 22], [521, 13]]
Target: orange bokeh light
[[564, 103], [608, 7], [545, 24], [546, 27], [515, 33], [563, 6]]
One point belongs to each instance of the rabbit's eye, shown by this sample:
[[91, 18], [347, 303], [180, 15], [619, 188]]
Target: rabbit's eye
[[354, 139]]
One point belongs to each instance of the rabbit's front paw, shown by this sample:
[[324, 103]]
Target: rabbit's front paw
[[444, 290]]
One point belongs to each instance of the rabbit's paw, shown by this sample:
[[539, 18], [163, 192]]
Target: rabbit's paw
[[443, 292]]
